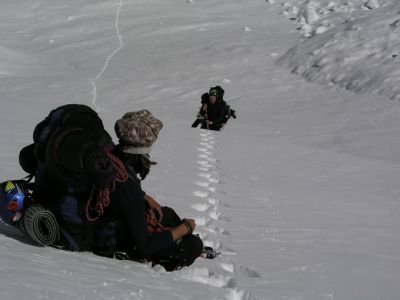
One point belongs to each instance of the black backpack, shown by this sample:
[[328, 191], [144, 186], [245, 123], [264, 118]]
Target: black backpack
[[72, 151]]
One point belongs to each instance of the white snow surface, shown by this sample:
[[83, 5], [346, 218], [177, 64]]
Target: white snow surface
[[354, 44], [300, 192]]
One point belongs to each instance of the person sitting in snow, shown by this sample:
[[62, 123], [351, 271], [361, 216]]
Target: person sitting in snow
[[92, 188], [152, 232]]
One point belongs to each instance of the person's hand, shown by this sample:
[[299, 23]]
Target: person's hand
[[154, 205], [190, 224], [208, 122]]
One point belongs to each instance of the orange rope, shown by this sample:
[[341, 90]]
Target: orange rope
[[122, 174], [103, 197]]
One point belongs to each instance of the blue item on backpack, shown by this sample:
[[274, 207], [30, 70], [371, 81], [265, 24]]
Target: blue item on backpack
[[12, 196]]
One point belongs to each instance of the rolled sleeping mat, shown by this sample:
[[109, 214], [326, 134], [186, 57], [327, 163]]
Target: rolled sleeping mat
[[40, 225]]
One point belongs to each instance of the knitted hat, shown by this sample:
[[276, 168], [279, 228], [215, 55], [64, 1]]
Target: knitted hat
[[213, 92], [217, 91], [137, 131]]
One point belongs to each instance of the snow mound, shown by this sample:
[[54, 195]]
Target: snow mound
[[357, 50], [315, 17]]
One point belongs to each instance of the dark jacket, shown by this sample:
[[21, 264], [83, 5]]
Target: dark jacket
[[214, 112], [127, 205]]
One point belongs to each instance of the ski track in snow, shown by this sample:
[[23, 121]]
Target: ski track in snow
[[108, 59], [210, 220]]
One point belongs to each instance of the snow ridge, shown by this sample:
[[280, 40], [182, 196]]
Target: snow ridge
[[108, 59], [350, 45]]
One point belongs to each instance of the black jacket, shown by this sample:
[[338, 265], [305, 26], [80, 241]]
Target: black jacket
[[214, 112], [127, 204]]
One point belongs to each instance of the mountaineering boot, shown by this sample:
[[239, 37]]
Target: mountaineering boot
[[210, 253]]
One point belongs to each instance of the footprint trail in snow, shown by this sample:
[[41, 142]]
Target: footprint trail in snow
[[222, 271], [109, 57]]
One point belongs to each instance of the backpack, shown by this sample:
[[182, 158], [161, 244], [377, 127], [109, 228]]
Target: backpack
[[68, 142], [74, 169]]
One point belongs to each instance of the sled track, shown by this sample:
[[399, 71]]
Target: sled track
[[222, 271], [108, 59]]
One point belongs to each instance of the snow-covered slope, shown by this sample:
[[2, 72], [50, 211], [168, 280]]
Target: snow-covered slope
[[300, 191], [354, 45]]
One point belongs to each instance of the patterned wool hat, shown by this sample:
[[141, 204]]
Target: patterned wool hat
[[137, 131], [213, 92]]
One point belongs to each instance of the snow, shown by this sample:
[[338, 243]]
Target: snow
[[358, 51], [300, 191]]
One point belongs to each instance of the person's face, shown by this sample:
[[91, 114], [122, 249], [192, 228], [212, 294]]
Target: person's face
[[213, 98]]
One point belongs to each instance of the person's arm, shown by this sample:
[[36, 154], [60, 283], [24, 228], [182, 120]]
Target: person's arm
[[204, 100], [187, 227], [153, 204], [203, 110], [179, 231], [129, 206]]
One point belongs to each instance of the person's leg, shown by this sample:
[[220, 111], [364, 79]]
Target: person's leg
[[181, 254], [215, 127], [170, 217]]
